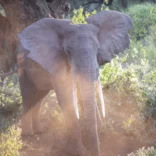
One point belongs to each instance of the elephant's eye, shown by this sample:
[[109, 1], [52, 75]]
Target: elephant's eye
[[68, 54], [67, 51], [99, 60]]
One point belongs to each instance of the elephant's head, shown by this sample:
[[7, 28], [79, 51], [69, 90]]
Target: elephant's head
[[84, 47]]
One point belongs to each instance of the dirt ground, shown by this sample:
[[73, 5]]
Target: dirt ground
[[49, 144], [118, 137]]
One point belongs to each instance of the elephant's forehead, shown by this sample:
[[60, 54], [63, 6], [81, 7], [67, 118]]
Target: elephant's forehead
[[85, 28]]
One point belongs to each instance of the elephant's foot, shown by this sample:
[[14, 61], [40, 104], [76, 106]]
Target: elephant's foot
[[26, 131], [75, 149]]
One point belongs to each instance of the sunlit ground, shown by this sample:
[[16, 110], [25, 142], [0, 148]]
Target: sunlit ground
[[124, 129]]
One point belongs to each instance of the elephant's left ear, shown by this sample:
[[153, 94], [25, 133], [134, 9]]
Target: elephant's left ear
[[113, 33]]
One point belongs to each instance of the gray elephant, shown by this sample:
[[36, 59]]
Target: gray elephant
[[56, 54]]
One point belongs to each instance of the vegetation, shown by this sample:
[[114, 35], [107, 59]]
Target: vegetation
[[10, 97], [150, 151], [10, 142], [130, 78], [134, 72], [143, 17]]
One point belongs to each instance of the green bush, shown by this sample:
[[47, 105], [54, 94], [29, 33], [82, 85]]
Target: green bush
[[10, 97], [10, 142], [150, 151], [144, 16], [79, 16], [135, 72]]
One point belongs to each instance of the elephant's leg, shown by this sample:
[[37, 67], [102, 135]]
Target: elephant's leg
[[27, 92], [36, 124], [32, 97], [64, 92]]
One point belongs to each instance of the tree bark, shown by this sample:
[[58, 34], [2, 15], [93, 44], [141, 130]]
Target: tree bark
[[58, 8], [19, 14], [108, 3], [7, 44], [124, 3]]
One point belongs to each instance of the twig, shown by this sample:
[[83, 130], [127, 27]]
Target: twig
[[8, 74]]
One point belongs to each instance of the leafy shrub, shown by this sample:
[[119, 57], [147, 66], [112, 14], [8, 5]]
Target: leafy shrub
[[134, 72], [150, 151], [10, 142], [10, 97], [144, 16], [79, 16]]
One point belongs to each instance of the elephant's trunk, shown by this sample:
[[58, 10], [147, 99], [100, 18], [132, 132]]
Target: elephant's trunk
[[87, 90], [85, 70]]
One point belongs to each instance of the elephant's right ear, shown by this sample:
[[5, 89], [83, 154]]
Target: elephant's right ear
[[113, 33], [43, 40]]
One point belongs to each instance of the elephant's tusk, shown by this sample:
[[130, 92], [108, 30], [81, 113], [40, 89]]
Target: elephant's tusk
[[101, 98], [75, 101], [99, 120]]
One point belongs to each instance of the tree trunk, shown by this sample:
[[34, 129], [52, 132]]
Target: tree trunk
[[58, 8], [19, 14], [124, 3]]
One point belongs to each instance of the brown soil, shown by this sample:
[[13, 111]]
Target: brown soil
[[116, 139]]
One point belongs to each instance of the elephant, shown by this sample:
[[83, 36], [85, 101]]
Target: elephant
[[57, 54]]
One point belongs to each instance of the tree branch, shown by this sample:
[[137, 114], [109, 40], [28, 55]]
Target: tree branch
[[8, 74]]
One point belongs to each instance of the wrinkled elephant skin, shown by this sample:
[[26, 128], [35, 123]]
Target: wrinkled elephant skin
[[57, 54]]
